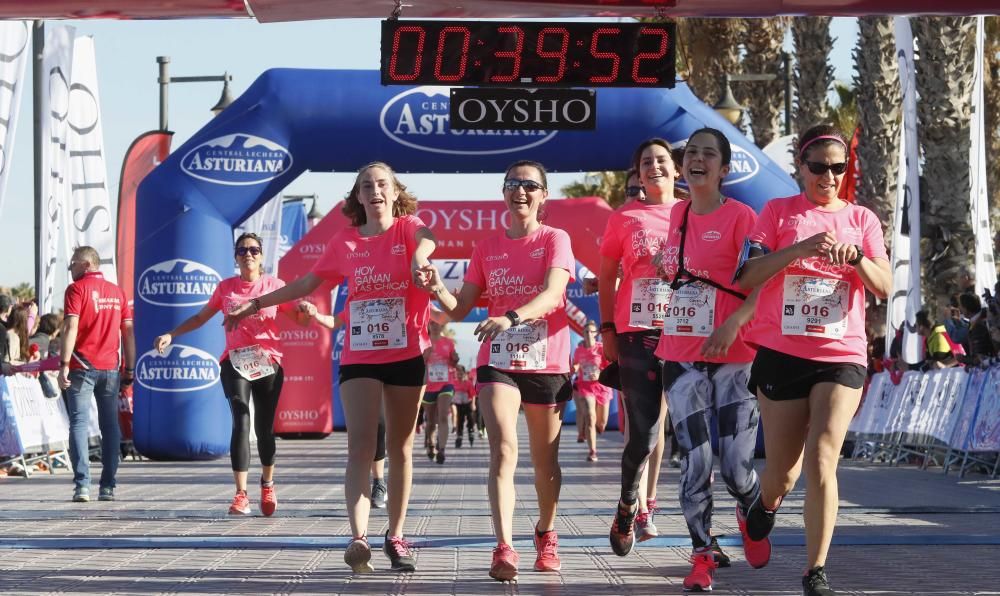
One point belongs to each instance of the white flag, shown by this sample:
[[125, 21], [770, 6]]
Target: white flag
[[91, 221], [57, 69], [986, 273], [905, 299], [15, 50], [266, 223]]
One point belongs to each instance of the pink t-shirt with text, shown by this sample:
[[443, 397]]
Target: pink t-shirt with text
[[590, 361], [635, 234], [260, 328], [512, 272], [712, 248], [465, 392], [784, 222], [439, 359], [381, 289]]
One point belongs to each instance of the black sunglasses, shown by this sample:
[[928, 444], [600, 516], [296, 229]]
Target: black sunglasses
[[241, 251], [633, 191], [512, 184], [821, 168]]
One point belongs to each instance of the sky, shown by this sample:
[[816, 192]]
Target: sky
[[129, 94]]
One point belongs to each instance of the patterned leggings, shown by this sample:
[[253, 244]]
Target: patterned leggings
[[696, 391]]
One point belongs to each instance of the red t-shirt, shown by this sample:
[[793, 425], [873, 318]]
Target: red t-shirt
[[259, 328], [101, 309], [440, 371]]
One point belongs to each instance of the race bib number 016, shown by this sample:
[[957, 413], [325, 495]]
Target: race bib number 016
[[522, 347], [650, 297], [251, 362], [814, 306], [691, 311], [378, 324]]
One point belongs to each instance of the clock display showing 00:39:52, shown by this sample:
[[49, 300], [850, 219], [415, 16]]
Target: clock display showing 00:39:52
[[527, 54]]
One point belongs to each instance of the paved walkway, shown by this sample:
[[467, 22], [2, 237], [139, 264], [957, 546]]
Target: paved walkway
[[901, 531]]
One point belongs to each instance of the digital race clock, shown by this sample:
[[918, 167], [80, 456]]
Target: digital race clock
[[527, 54]]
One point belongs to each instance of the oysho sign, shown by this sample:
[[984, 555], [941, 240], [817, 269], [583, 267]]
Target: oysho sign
[[181, 368], [419, 118], [178, 283], [237, 160], [523, 109]]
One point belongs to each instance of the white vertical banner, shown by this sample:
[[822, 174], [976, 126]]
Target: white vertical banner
[[15, 50], [266, 223], [905, 299], [57, 66], [986, 273], [91, 221]]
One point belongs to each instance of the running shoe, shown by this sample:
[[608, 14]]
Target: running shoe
[[400, 553], [431, 452], [759, 521], [592, 456], [757, 552], [547, 546], [81, 495], [645, 529], [720, 557], [674, 462], [580, 439], [651, 528], [702, 567], [505, 560], [622, 537], [458, 442], [471, 439], [106, 494], [268, 499], [440, 457], [814, 583], [378, 493], [358, 555], [240, 504]]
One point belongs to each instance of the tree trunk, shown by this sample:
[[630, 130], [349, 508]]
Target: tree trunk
[[813, 73], [712, 50], [764, 100], [991, 92]]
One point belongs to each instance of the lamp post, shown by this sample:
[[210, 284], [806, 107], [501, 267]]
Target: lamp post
[[731, 110], [314, 214], [164, 80]]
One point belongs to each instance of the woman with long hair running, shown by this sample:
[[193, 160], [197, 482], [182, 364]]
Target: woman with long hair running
[[813, 255], [441, 359], [524, 358], [588, 362], [379, 257]]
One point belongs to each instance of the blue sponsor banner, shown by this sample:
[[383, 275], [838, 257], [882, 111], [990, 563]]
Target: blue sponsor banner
[[294, 225]]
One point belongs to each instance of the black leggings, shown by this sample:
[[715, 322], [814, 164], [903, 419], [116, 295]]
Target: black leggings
[[641, 379], [265, 393], [380, 441], [465, 415]]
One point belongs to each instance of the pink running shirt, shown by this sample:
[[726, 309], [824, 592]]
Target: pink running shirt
[[813, 309], [259, 328], [465, 392], [386, 314], [711, 250], [511, 273], [634, 235], [440, 372], [591, 361]]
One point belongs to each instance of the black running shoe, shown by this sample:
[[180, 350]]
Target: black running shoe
[[458, 442], [622, 534], [721, 558], [440, 457], [814, 583], [760, 521], [378, 493], [399, 553]]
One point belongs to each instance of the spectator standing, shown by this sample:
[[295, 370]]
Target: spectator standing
[[96, 335], [979, 343]]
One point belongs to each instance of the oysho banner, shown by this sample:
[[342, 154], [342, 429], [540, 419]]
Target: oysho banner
[[91, 221], [15, 49], [266, 223]]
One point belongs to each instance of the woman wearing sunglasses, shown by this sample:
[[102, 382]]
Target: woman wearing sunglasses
[[378, 256], [632, 314], [250, 366], [813, 255], [524, 358]]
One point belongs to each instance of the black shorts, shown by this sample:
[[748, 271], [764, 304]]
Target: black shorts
[[431, 397], [778, 376], [404, 373], [539, 389]]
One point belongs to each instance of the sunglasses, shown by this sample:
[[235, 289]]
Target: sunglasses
[[633, 191], [821, 168], [243, 250], [511, 185]]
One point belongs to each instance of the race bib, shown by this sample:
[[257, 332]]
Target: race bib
[[589, 371], [691, 311], [522, 347], [378, 324], [437, 373], [460, 397], [251, 362], [650, 297], [814, 306]]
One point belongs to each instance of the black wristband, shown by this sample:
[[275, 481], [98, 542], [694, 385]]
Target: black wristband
[[857, 259], [515, 319], [608, 326], [256, 304]]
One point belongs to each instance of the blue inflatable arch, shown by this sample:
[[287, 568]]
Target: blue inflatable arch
[[290, 121]]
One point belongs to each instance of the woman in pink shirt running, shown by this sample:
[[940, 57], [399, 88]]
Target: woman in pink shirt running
[[813, 255], [588, 362], [524, 359], [379, 257]]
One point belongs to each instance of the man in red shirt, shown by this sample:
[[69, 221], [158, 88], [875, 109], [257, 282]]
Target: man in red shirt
[[96, 329]]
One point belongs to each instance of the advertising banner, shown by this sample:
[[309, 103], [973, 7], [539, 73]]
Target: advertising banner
[[294, 225], [266, 223], [30, 422], [15, 51], [985, 433]]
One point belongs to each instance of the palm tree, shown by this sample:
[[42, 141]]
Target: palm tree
[[844, 114], [878, 107], [609, 185], [944, 82], [24, 291], [764, 100], [813, 72], [711, 49]]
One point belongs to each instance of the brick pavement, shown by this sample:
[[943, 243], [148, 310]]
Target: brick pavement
[[902, 531]]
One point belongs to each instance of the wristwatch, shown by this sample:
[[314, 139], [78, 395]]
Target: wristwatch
[[857, 259], [515, 320]]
